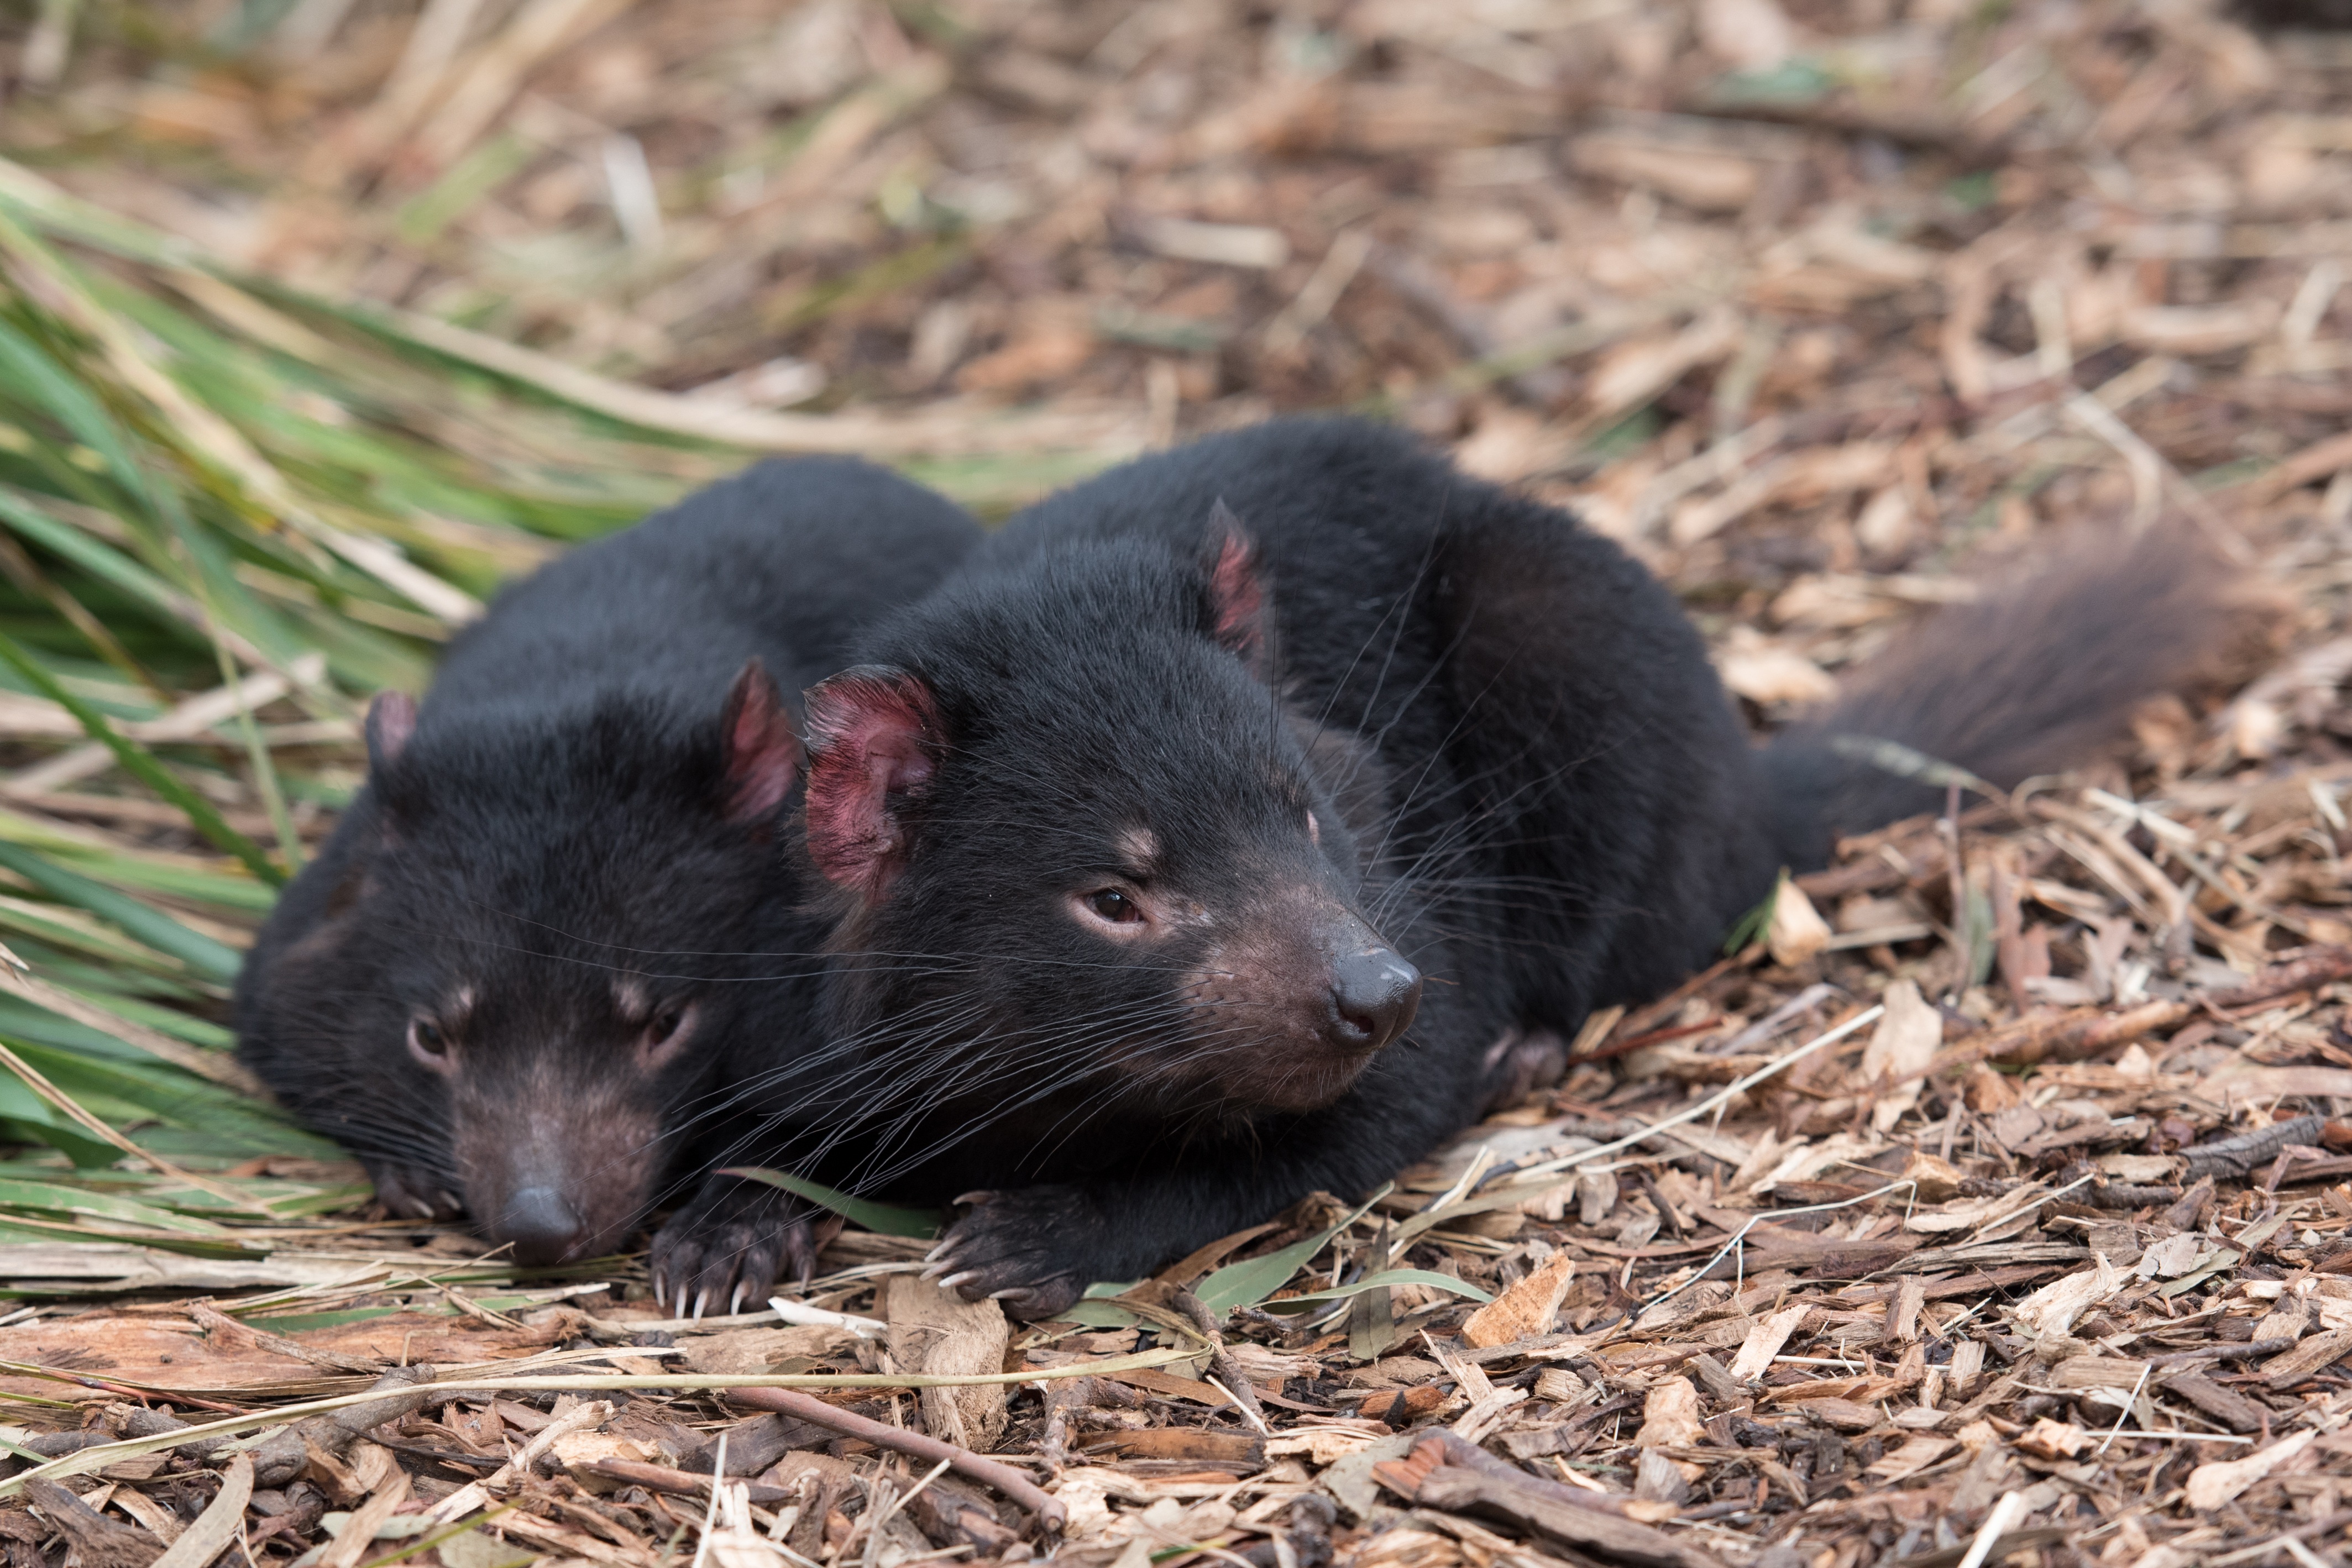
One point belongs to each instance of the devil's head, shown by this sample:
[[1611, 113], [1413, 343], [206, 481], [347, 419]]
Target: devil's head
[[1079, 842], [550, 928]]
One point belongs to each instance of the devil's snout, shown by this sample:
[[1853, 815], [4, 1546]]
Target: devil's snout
[[1374, 994], [541, 1225]]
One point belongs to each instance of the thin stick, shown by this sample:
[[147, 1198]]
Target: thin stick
[[710, 1514], [683, 1483], [1049, 1512], [2006, 1513], [2144, 1371], [1253, 1416], [898, 1503], [99, 1455], [1728, 1092], [1741, 1235]]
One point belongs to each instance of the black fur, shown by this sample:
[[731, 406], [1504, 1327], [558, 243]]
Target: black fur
[[559, 860], [1520, 768]]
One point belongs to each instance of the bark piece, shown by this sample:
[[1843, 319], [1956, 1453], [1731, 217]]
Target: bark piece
[[92, 1540], [198, 1544], [1764, 1341], [2321, 1350], [1845, 1414], [2238, 1155], [1670, 1416], [1457, 1488], [1718, 1381], [938, 1334], [2227, 1405], [952, 1516], [2212, 1485], [753, 1444], [1524, 1311], [1181, 1443]]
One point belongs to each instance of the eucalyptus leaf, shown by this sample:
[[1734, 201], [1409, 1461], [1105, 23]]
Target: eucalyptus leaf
[[1247, 1283]]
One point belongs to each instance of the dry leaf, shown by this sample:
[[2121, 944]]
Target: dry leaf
[[1797, 931], [1899, 1051]]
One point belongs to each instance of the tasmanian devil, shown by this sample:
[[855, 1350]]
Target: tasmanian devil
[[529, 966], [1236, 823]]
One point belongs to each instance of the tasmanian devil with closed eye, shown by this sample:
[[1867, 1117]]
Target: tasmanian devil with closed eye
[[1239, 822], [527, 972]]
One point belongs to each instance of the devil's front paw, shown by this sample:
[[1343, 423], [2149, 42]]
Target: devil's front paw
[[1031, 1248], [407, 1192], [731, 1244], [1518, 1064]]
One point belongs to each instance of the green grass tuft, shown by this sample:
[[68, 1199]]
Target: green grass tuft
[[206, 481]]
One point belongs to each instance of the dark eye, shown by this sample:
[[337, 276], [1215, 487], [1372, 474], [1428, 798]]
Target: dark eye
[[666, 1024], [1113, 906], [426, 1041]]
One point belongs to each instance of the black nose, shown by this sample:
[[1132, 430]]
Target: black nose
[[1374, 993], [541, 1226]]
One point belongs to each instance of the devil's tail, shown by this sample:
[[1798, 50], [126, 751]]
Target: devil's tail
[[2037, 674]]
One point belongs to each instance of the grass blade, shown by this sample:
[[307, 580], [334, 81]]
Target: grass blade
[[142, 764], [883, 1218]]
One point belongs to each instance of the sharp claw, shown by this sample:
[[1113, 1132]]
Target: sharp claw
[[937, 1269], [955, 1280], [660, 1290], [735, 1303], [701, 1301], [936, 1247], [1005, 1295], [977, 1195]]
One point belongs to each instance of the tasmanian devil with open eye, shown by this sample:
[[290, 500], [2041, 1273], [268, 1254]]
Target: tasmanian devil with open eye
[[529, 966], [1239, 822]]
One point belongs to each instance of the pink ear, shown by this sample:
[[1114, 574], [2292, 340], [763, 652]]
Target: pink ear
[[764, 754], [874, 736], [1236, 594], [391, 720]]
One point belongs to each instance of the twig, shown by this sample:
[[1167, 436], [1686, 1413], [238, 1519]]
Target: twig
[[2006, 1513], [1049, 1512], [2128, 1402], [1225, 1374], [99, 1456], [1723, 1096], [710, 1514], [2239, 1156], [683, 1483]]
